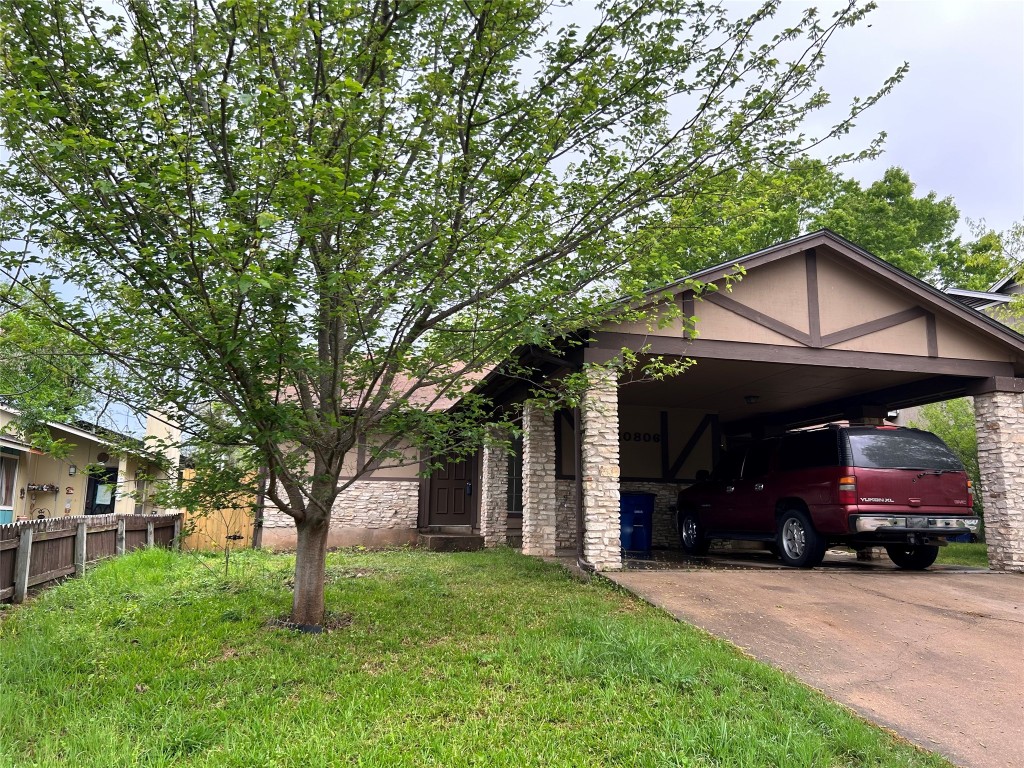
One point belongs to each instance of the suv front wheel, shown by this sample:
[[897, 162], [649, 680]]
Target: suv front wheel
[[800, 546], [691, 534], [912, 557]]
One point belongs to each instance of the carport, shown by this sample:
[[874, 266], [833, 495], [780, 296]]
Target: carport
[[816, 330]]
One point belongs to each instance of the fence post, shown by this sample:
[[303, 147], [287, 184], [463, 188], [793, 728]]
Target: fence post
[[80, 540], [150, 537], [176, 541], [119, 541], [21, 565]]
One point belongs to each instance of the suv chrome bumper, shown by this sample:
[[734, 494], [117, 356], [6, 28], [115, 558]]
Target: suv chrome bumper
[[914, 523]]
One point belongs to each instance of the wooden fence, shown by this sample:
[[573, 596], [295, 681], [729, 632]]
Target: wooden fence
[[231, 526], [35, 552]]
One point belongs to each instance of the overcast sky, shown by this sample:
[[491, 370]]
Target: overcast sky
[[956, 123]]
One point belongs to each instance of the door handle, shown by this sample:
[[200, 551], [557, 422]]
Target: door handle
[[469, 489], [758, 486], [730, 488]]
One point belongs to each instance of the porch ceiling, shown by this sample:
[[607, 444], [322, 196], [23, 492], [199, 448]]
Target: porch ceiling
[[787, 393]]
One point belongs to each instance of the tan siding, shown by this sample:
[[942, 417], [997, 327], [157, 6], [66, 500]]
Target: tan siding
[[955, 342], [848, 297], [778, 290], [719, 324], [905, 339]]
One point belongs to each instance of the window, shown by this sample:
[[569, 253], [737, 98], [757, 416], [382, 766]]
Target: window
[[8, 471], [8, 478], [141, 493], [804, 450], [759, 459], [515, 476], [901, 449]]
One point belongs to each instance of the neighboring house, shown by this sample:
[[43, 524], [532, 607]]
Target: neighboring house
[[995, 301], [93, 479], [817, 330]]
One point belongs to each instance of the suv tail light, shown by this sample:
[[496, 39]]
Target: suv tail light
[[970, 494], [848, 490]]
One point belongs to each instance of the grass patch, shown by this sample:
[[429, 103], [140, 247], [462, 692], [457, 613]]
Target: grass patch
[[964, 554], [482, 659]]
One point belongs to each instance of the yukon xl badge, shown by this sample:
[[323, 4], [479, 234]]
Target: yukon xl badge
[[875, 500]]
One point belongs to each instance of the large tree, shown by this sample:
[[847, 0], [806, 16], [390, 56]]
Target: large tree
[[298, 225], [46, 373], [743, 210]]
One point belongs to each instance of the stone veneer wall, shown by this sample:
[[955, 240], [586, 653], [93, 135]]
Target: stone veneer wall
[[600, 417], [565, 514], [539, 497], [665, 534], [494, 496], [369, 512], [999, 417]]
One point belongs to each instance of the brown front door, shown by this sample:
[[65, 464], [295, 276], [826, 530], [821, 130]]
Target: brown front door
[[453, 493]]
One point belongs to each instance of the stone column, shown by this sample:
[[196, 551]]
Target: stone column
[[999, 417], [494, 494], [600, 413], [538, 481]]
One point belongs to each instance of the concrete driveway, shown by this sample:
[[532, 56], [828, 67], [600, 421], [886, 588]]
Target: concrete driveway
[[936, 656]]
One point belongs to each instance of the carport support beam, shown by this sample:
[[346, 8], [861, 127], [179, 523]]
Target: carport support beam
[[999, 418], [539, 484], [494, 492], [600, 415]]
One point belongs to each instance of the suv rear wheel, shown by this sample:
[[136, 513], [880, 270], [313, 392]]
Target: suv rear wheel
[[691, 534], [912, 557], [799, 544]]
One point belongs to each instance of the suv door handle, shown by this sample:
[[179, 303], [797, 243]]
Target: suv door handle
[[758, 486]]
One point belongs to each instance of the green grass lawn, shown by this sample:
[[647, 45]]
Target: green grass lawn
[[484, 659], [964, 554]]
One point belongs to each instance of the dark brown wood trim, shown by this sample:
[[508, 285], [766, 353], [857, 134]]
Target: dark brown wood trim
[[873, 326], [687, 304], [559, 453], [684, 454], [1008, 384], [663, 419], [813, 305], [716, 439], [833, 358], [759, 317], [931, 334]]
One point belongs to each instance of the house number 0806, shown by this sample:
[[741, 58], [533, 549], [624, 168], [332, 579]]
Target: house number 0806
[[640, 437]]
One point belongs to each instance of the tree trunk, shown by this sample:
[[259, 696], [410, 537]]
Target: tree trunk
[[310, 563]]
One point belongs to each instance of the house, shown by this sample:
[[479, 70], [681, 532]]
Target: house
[[93, 479], [817, 330]]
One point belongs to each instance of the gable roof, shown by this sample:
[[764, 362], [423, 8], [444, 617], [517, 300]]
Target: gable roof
[[926, 293]]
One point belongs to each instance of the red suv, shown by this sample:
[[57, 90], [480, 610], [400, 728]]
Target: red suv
[[900, 488]]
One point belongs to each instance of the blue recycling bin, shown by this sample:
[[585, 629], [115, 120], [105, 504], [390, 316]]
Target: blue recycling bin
[[636, 520]]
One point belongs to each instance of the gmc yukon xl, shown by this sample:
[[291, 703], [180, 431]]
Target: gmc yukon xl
[[861, 486]]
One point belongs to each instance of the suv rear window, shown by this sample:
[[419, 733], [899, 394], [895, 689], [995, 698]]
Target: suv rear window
[[901, 449]]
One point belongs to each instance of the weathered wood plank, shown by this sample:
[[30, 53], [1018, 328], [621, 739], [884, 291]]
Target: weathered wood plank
[[51, 575], [80, 541], [21, 566], [8, 544], [64, 533]]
